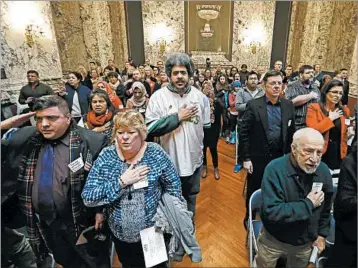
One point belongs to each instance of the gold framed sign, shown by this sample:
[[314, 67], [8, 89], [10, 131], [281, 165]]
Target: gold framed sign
[[208, 26]]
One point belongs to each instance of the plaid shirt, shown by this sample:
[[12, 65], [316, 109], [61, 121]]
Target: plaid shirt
[[25, 183], [295, 89]]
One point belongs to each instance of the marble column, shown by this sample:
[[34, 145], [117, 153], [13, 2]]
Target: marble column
[[97, 31], [323, 33], [119, 32], [353, 73], [69, 34]]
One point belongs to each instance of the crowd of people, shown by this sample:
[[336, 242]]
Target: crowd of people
[[115, 149]]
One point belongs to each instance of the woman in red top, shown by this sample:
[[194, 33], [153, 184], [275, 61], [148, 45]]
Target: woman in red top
[[116, 101], [331, 119]]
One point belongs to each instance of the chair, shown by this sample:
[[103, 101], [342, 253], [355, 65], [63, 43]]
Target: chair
[[332, 233], [254, 225], [113, 252]]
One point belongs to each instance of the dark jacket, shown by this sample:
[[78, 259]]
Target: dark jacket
[[84, 143], [243, 77], [287, 213], [121, 93], [345, 205], [40, 90], [83, 97], [346, 92], [87, 82], [254, 128]]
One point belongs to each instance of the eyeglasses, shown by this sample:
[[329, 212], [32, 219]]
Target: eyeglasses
[[275, 83], [51, 118], [334, 92]]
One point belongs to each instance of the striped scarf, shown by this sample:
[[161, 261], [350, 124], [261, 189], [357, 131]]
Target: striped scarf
[[25, 184]]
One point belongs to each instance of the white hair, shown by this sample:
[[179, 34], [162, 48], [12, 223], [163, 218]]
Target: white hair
[[308, 132]]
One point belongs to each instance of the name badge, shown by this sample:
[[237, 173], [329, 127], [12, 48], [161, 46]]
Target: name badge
[[317, 186], [77, 164], [153, 247], [347, 122], [289, 122], [141, 184]]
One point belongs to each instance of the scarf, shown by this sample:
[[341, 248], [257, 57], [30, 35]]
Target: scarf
[[172, 88], [114, 86], [94, 120], [139, 102], [26, 180]]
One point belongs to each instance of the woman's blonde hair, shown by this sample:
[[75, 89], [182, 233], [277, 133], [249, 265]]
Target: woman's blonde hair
[[150, 69], [130, 119], [82, 70]]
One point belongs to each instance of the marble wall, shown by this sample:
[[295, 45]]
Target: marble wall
[[253, 20], [353, 77], [90, 31], [69, 34], [119, 32], [322, 32], [17, 56], [163, 19], [156, 13]]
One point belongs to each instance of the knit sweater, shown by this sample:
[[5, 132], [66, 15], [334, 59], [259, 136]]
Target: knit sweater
[[128, 210]]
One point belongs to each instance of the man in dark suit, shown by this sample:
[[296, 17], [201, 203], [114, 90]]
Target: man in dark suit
[[53, 162], [344, 77], [266, 131]]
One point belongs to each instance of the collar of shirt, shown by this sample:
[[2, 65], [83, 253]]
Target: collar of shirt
[[270, 103], [34, 85], [65, 139]]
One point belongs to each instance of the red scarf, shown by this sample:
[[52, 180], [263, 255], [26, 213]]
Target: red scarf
[[94, 120]]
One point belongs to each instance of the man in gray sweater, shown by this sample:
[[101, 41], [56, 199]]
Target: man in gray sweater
[[248, 92], [245, 94]]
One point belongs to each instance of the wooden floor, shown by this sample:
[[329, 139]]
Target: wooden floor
[[220, 213]]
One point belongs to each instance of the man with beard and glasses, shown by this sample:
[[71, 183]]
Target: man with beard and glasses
[[296, 192], [302, 93], [178, 114], [245, 94], [33, 90]]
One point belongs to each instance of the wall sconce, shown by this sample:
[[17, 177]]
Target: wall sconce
[[254, 37], [162, 45], [253, 46], [33, 32], [160, 36]]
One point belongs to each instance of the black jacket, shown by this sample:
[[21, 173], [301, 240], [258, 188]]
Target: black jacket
[[286, 213], [254, 128], [40, 90], [345, 205], [12, 153], [345, 92]]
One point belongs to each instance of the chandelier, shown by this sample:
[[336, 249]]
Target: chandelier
[[208, 13]]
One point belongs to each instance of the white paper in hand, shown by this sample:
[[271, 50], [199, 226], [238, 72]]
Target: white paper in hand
[[153, 247], [141, 184], [317, 186]]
